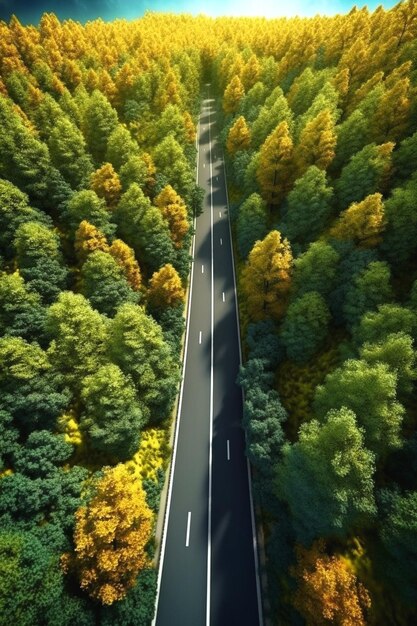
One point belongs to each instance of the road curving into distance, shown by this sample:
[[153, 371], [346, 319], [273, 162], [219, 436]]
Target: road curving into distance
[[208, 572]]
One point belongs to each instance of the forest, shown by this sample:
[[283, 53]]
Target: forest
[[97, 200]]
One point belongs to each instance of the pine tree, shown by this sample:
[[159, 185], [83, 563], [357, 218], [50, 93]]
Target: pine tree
[[392, 115], [266, 277], [274, 166], [239, 136], [362, 222], [317, 143], [233, 94]]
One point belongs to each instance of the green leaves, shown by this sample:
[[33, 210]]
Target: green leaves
[[111, 415], [326, 478]]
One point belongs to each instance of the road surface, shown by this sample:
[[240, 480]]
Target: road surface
[[208, 569]]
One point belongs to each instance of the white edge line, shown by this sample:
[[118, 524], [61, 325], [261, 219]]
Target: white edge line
[[255, 540], [228, 450], [211, 393], [200, 337], [177, 426], [187, 536]]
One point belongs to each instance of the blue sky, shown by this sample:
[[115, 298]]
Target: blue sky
[[83, 10]]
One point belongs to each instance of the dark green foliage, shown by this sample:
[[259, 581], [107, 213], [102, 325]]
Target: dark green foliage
[[8, 439], [263, 343], [100, 120], [111, 415], [365, 174], [398, 531], [255, 374], [137, 346], [263, 415], [251, 224], [172, 321], [153, 489], [21, 312], [309, 206], [30, 390], [369, 289], [104, 284], [14, 211], [370, 391], [351, 138], [142, 227], [86, 205], [400, 237], [405, 157], [316, 270], [305, 326], [326, 478], [42, 453], [137, 609], [40, 260], [31, 579]]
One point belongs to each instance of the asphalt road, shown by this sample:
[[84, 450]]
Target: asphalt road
[[208, 565]]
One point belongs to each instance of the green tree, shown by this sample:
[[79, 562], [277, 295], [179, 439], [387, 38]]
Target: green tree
[[405, 157], [352, 136], [366, 173], [111, 416], [143, 227], [251, 223], [104, 283], [86, 205], [369, 390], [137, 346], [398, 532], [309, 205], [21, 312], [305, 326], [133, 171], [171, 163], [14, 211], [316, 270], [374, 326], [79, 335], [400, 237], [369, 288], [31, 579], [42, 454], [269, 117], [326, 478], [121, 147], [68, 152], [99, 121], [40, 260], [397, 351], [30, 390]]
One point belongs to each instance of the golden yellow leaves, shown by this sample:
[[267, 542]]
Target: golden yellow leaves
[[111, 533]]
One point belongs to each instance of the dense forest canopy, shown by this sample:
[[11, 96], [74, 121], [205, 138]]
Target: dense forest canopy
[[97, 196]]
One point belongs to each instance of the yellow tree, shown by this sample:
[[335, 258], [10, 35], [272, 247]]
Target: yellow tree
[[165, 288], [106, 183], [317, 143], [239, 136], [189, 126], [362, 222], [173, 209], [328, 591], [125, 257], [88, 238], [392, 116], [168, 92], [341, 82], [275, 163], [233, 94], [266, 277], [251, 72], [110, 536]]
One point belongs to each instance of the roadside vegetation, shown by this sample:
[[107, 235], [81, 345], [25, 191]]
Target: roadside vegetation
[[97, 195]]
